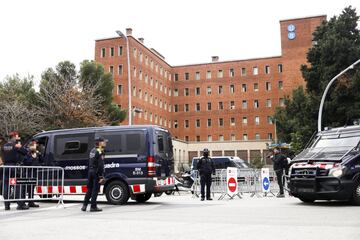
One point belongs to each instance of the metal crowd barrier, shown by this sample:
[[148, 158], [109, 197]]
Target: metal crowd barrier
[[248, 182], [31, 183]]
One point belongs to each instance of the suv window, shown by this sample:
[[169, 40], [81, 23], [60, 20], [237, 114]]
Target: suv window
[[125, 142], [164, 143], [73, 147]]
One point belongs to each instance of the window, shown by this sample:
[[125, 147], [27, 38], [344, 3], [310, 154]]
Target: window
[[175, 124], [186, 138], [270, 136], [120, 70], [257, 120], [209, 138], [231, 72], [111, 70], [186, 107], [221, 122], [74, 147], [269, 120], [197, 76], [220, 74], [232, 121], [197, 91], [221, 138], [186, 92], [256, 103], [268, 86], [244, 88], [209, 122], [198, 138], [282, 102], [233, 138], [103, 52], [257, 136], [134, 71], [268, 103], [243, 71], [197, 123], [119, 89], [232, 105], [176, 92], [221, 106], [280, 84], [186, 123], [176, 77], [176, 108], [220, 90], [280, 68], [232, 89], [120, 50], [267, 69], [256, 87], [160, 143], [208, 91], [209, 106], [208, 75], [244, 120], [244, 104], [112, 52], [255, 71], [186, 76], [197, 107], [245, 137]]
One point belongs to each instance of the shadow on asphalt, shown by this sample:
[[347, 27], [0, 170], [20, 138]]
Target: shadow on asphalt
[[327, 204]]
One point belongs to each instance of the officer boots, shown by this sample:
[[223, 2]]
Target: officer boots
[[33, 205], [84, 208], [95, 209]]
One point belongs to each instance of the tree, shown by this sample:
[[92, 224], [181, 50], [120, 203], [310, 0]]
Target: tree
[[337, 45], [92, 75]]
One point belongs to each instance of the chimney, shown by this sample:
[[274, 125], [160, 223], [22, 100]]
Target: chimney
[[141, 40], [215, 58], [128, 31]]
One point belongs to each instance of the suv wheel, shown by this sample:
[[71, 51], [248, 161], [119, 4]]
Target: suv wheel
[[117, 192], [307, 200], [356, 195], [141, 198]]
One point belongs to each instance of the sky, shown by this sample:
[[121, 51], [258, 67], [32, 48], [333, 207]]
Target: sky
[[38, 34]]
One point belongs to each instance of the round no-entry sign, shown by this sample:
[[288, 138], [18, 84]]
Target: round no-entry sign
[[232, 184]]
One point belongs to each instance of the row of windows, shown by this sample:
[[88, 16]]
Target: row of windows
[[231, 73], [220, 90], [231, 104], [149, 116], [245, 137], [221, 123]]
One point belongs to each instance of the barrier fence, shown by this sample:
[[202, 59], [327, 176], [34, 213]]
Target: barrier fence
[[249, 181], [31, 183]]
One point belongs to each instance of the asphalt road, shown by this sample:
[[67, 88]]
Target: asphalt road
[[184, 217]]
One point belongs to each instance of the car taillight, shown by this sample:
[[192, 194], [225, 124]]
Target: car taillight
[[151, 166]]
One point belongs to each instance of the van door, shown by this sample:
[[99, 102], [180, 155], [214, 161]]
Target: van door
[[164, 156], [71, 152]]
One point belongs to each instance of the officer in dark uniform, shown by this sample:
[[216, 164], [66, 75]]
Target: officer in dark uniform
[[280, 163], [11, 152], [96, 174], [32, 158], [205, 167]]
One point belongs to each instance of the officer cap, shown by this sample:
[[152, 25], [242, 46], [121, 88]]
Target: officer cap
[[13, 134], [100, 139], [206, 150]]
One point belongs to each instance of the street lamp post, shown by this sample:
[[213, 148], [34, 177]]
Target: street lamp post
[[327, 89], [129, 74]]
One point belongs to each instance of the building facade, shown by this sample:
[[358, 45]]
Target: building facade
[[220, 102]]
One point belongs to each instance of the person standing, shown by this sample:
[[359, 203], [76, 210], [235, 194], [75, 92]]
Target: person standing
[[96, 175], [11, 153], [280, 162], [32, 158], [205, 167]]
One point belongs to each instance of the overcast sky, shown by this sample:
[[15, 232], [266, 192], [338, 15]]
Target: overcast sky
[[37, 34]]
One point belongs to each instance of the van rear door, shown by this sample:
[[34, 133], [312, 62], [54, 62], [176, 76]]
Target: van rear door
[[163, 149]]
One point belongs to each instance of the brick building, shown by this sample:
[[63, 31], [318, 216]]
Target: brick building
[[215, 102]]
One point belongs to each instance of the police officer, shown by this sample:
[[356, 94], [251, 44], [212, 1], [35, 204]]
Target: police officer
[[96, 174], [280, 163], [205, 167], [11, 152], [32, 158]]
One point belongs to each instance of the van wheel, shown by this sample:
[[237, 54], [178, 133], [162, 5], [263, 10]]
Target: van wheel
[[141, 198], [117, 193], [169, 192], [356, 195], [307, 200]]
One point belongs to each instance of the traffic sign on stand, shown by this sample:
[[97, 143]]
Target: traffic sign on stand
[[231, 176], [265, 180]]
